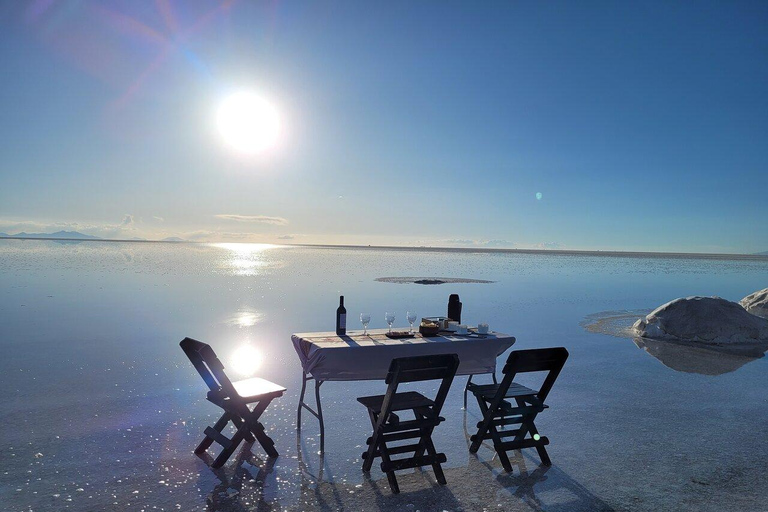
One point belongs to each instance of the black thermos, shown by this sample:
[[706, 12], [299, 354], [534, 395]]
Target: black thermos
[[454, 308]]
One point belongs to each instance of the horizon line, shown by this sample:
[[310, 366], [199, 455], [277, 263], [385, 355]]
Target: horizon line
[[427, 248]]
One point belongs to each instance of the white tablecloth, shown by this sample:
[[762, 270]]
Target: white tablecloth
[[327, 356]]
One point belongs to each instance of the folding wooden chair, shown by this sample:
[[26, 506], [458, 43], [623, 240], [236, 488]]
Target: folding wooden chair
[[234, 398], [388, 427], [498, 411]]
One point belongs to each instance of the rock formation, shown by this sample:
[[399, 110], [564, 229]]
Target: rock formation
[[709, 320], [756, 303]]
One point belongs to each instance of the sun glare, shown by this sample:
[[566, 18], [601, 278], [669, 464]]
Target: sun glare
[[246, 360], [248, 123]]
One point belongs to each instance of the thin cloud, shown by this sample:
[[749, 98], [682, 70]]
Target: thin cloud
[[455, 241], [479, 243], [547, 245], [264, 219]]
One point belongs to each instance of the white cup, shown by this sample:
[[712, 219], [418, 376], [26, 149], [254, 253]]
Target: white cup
[[462, 329], [452, 326], [482, 328]]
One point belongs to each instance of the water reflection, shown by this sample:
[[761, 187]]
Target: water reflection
[[252, 485], [699, 359], [678, 355], [245, 259], [245, 318], [245, 360]]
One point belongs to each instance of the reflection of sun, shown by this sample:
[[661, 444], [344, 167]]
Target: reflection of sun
[[246, 360], [245, 318], [246, 259]]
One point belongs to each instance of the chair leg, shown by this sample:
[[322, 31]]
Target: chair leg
[[391, 478], [436, 467], [255, 427], [247, 436], [543, 455], [218, 427], [502, 453], [487, 427], [227, 452], [265, 441], [477, 439], [368, 460]]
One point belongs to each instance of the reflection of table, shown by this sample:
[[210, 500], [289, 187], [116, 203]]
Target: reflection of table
[[326, 356]]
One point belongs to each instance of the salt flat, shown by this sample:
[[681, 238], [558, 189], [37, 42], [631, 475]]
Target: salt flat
[[101, 409]]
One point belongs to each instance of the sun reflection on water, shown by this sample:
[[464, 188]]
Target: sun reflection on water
[[245, 318], [245, 259], [245, 360]]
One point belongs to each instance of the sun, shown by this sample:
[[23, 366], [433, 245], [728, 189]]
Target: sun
[[248, 123]]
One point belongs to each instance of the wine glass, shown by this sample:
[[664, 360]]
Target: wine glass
[[411, 316], [390, 319], [365, 319]]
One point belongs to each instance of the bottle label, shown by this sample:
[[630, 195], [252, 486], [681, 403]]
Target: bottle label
[[343, 321]]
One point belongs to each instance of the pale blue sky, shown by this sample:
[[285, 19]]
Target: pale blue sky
[[643, 125]]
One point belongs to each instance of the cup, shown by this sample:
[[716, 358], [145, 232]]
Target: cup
[[452, 326], [462, 329], [482, 328]]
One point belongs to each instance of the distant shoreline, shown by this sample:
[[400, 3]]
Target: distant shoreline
[[554, 252]]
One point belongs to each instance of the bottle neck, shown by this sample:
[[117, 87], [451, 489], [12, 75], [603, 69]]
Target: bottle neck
[[341, 301]]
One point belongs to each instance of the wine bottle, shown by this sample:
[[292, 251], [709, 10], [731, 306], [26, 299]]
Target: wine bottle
[[454, 308], [341, 318]]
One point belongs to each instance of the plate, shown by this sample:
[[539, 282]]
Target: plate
[[399, 334]]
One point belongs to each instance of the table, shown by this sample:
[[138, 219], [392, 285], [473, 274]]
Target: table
[[326, 356]]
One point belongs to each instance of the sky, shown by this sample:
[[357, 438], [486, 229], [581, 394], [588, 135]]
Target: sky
[[639, 126]]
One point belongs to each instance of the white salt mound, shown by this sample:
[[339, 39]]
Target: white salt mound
[[756, 303], [703, 319]]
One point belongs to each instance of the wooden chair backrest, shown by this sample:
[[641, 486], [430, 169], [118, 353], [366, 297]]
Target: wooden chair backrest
[[420, 368], [207, 365], [549, 360]]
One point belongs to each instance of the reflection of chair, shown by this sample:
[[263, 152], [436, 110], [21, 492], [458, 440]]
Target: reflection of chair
[[387, 426], [239, 483], [234, 398], [498, 412]]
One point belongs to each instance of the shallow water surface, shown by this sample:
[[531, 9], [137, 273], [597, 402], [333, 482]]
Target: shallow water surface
[[101, 410]]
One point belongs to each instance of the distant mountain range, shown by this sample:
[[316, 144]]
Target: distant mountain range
[[75, 235], [764, 253], [69, 235]]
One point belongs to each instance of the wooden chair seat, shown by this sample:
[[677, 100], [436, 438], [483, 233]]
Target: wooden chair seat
[[489, 391], [248, 391], [257, 388], [400, 401]]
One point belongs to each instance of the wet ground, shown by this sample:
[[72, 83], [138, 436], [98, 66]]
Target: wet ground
[[101, 410]]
